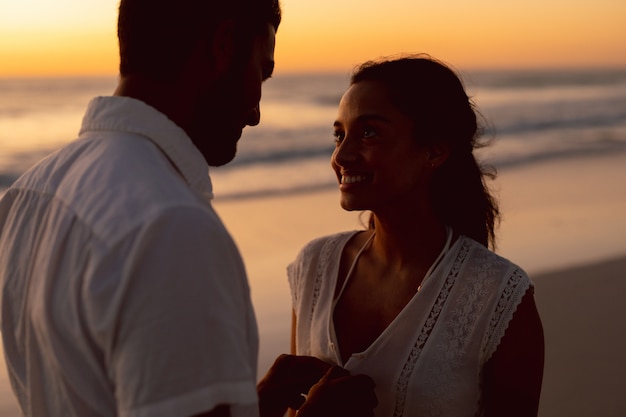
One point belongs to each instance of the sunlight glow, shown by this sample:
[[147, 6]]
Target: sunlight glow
[[44, 37]]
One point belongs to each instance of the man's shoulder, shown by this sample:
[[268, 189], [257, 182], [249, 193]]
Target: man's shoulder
[[110, 179], [114, 162]]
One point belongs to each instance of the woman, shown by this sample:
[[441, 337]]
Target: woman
[[417, 301]]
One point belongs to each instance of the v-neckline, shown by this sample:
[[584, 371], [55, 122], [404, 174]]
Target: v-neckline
[[337, 295], [352, 266]]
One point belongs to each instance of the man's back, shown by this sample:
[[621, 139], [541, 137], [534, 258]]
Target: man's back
[[106, 251]]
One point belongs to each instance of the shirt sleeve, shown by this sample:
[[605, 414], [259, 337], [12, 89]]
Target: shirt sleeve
[[293, 277], [514, 287], [178, 328]]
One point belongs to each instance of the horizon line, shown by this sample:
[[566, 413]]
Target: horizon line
[[333, 71]]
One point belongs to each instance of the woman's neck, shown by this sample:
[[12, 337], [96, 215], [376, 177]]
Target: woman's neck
[[406, 242]]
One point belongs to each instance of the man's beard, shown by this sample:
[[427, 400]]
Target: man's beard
[[218, 120]]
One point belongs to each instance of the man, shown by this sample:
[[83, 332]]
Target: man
[[123, 293]]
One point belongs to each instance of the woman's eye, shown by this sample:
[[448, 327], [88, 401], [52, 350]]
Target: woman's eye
[[369, 132], [339, 135]]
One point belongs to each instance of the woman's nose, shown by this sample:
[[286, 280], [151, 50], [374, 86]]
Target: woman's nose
[[345, 152]]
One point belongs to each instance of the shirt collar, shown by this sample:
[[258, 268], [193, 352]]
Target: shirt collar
[[125, 114]]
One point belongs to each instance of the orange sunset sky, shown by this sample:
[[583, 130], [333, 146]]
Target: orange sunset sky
[[77, 37]]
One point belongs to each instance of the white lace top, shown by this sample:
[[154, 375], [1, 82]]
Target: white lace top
[[429, 360]]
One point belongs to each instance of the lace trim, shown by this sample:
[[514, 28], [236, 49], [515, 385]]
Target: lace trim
[[407, 369], [459, 324], [325, 254], [505, 308]]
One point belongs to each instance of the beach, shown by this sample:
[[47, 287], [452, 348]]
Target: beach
[[560, 147], [563, 222]]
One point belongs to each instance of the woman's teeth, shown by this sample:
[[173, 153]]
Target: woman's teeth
[[351, 179]]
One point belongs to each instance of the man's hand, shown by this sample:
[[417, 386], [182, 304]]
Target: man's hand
[[289, 377], [338, 394]]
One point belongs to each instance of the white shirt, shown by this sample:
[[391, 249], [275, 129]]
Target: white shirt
[[428, 362], [122, 292]]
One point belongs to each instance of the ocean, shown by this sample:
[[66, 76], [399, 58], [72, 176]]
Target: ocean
[[531, 116], [534, 117]]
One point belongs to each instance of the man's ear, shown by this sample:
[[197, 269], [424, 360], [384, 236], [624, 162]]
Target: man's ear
[[437, 154], [222, 46]]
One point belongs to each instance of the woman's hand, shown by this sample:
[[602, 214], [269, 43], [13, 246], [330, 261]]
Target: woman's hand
[[330, 390]]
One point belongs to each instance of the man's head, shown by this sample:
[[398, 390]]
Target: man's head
[[213, 53], [157, 36]]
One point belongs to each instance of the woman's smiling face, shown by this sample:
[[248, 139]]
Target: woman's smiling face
[[377, 159]]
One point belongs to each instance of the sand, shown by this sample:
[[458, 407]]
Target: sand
[[564, 223], [582, 310]]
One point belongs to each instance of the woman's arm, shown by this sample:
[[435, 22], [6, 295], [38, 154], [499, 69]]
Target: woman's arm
[[513, 375]]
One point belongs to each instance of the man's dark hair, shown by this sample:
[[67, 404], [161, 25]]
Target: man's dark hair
[[156, 36]]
